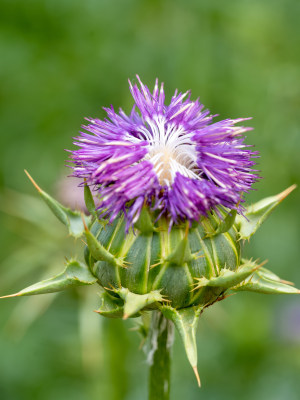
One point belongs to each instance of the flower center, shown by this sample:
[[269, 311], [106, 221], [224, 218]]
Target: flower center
[[170, 150]]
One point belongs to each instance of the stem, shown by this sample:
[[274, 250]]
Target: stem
[[161, 340]]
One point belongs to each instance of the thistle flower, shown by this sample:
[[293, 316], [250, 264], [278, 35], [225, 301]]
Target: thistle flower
[[169, 185], [172, 157]]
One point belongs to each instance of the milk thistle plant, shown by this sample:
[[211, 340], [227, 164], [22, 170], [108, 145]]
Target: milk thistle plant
[[164, 187]]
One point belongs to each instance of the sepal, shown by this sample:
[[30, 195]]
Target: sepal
[[186, 321], [110, 306], [144, 224], [182, 252], [265, 281], [227, 223], [133, 302], [256, 214], [71, 219], [75, 274], [89, 200], [228, 278], [99, 252]]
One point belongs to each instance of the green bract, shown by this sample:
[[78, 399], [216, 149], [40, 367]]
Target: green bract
[[179, 271]]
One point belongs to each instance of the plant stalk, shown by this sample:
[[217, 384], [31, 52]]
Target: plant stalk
[[161, 341]]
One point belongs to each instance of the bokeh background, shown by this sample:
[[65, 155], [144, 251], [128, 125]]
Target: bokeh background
[[62, 60]]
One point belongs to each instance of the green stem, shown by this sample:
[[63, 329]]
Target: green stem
[[161, 340]]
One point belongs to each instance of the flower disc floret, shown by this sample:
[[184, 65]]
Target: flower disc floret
[[172, 157]]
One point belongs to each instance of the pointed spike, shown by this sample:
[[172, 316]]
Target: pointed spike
[[133, 302], [256, 214], [287, 282], [281, 196], [55, 206], [75, 274], [10, 295], [71, 219], [84, 223], [197, 375], [33, 181]]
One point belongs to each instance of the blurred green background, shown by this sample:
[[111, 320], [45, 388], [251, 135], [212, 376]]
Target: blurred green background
[[62, 61]]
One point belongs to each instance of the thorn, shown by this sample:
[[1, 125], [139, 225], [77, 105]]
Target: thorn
[[142, 344], [186, 230], [281, 196], [195, 288], [84, 224], [9, 295], [260, 265], [165, 300], [134, 329], [197, 257], [197, 375], [33, 181], [122, 263], [83, 242], [225, 296], [111, 289], [287, 282], [155, 265]]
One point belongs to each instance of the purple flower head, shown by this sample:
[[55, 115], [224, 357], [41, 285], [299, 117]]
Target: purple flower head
[[172, 157]]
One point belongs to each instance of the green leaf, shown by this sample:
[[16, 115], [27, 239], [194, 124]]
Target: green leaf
[[73, 220], [136, 302], [186, 321], [258, 212], [75, 274], [265, 281]]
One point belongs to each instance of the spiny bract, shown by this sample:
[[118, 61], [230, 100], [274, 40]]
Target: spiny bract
[[179, 271]]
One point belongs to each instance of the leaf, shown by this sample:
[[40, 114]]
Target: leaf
[[75, 274], [186, 321], [256, 214], [73, 220]]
